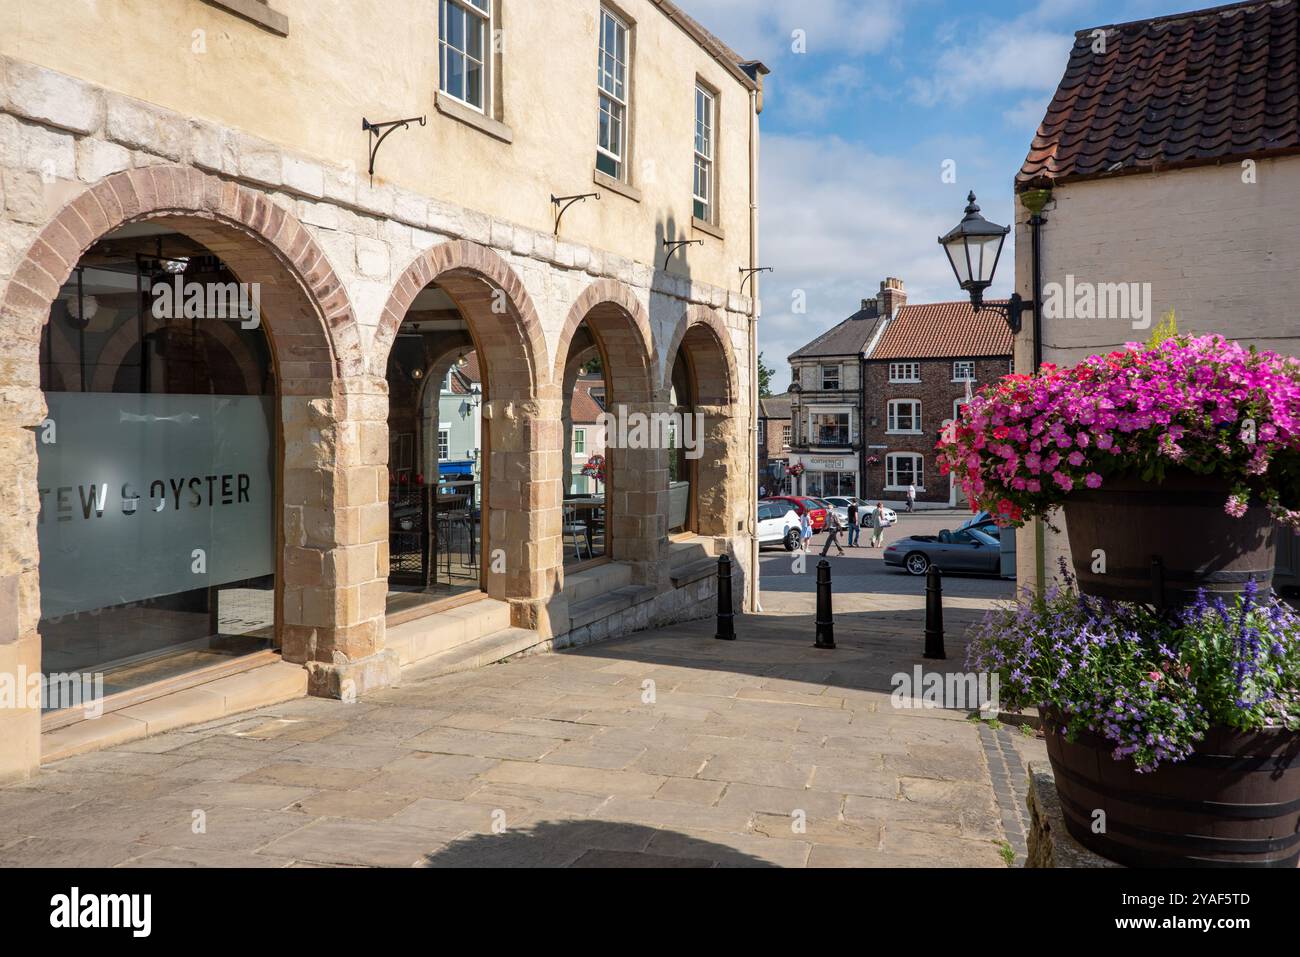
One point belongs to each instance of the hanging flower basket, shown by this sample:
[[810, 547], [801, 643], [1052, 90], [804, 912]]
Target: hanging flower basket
[[1172, 462]]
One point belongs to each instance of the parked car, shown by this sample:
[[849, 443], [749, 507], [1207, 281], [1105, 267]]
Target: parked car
[[841, 506], [983, 521], [778, 523], [802, 504], [965, 550]]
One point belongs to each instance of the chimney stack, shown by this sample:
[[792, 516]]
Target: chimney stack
[[892, 297]]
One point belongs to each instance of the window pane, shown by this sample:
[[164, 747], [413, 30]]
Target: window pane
[[474, 38], [455, 73], [474, 83], [455, 35]]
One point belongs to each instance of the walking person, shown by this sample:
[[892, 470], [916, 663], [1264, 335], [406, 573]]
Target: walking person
[[833, 528], [911, 497], [855, 529], [878, 525], [805, 530]]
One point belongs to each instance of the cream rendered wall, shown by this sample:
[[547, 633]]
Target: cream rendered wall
[[1224, 253], [378, 58]]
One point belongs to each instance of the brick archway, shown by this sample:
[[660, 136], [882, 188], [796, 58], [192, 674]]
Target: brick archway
[[520, 409], [320, 371]]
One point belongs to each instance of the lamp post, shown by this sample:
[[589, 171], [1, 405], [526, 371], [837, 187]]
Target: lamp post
[[974, 247]]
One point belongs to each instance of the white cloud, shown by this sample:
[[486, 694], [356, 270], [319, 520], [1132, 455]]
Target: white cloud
[[763, 29], [1004, 57], [838, 218], [1027, 114]]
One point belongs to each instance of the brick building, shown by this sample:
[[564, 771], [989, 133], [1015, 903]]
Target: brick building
[[929, 360], [775, 432]]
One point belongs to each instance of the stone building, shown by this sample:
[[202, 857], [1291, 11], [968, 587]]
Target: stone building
[[826, 398], [1167, 169], [205, 486], [928, 362]]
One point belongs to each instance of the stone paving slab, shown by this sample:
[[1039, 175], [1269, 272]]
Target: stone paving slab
[[762, 752]]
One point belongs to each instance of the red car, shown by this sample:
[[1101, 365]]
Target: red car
[[804, 506]]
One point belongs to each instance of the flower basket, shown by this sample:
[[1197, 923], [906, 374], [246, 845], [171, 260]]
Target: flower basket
[[1234, 802], [1180, 452], [1135, 541], [1174, 736]]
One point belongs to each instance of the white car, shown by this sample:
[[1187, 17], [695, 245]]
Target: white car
[[841, 505], [778, 524]]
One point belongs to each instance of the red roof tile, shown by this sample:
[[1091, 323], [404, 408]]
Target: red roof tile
[[945, 330], [585, 409], [1181, 90]]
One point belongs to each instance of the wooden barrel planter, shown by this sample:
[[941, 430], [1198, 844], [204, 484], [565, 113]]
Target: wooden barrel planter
[[1231, 804], [1161, 543]]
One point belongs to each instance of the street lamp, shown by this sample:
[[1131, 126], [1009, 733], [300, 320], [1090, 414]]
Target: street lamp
[[974, 248]]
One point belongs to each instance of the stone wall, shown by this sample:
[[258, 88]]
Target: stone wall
[[340, 260]]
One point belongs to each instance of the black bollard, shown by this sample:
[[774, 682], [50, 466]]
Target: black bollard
[[825, 619], [934, 615], [726, 618]]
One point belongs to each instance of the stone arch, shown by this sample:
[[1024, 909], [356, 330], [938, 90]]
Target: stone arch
[[250, 233], [703, 338], [636, 490], [519, 409], [471, 274], [320, 368], [622, 326], [703, 333]]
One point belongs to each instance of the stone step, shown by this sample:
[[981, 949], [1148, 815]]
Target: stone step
[[690, 552], [486, 650], [695, 571], [268, 684], [610, 603], [592, 582], [439, 633]]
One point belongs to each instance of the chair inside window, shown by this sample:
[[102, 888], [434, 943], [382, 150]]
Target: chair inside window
[[577, 532]]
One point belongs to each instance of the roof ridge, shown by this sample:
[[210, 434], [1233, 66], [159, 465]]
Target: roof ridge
[[1189, 15]]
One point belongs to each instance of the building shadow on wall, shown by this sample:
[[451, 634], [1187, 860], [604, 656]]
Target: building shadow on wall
[[589, 843]]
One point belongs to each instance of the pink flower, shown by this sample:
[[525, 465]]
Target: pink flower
[[1076, 458], [1063, 480], [1093, 480]]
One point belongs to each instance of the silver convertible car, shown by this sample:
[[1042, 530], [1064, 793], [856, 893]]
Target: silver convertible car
[[965, 550]]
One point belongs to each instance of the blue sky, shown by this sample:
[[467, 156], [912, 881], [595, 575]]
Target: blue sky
[[857, 128]]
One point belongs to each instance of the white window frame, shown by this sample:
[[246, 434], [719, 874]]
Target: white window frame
[[892, 420], [444, 443], [706, 135], [618, 105], [579, 441], [839, 378], [891, 471], [469, 10], [904, 372], [961, 364], [814, 436], [787, 433]]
